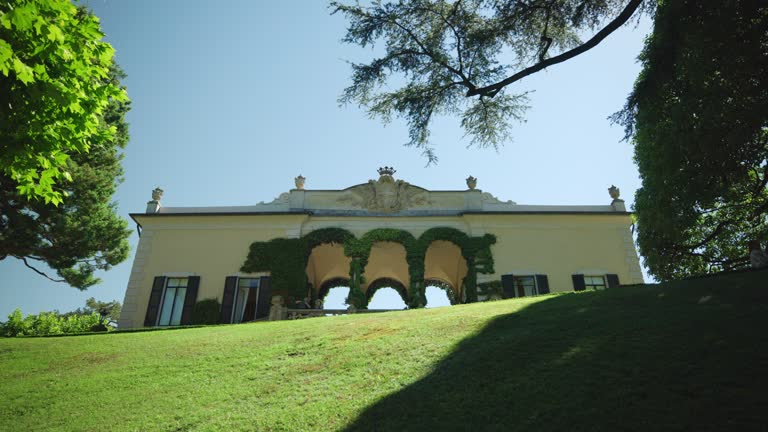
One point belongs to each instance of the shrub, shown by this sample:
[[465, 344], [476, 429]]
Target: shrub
[[51, 323], [16, 325], [206, 312], [490, 289]]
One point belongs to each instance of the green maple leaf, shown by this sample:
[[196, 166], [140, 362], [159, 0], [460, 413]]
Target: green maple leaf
[[23, 72]]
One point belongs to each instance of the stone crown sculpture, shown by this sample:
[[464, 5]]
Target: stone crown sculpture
[[299, 181], [614, 192], [471, 182], [386, 171], [157, 194]]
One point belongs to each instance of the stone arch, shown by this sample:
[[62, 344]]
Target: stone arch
[[458, 242], [360, 251], [325, 235], [452, 293], [328, 285], [325, 259], [446, 266], [387, 261], [385, 282]]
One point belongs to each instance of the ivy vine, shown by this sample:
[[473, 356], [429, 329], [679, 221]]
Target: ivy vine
[[385, 283], [286, 260], [449, 290], [330, 284]]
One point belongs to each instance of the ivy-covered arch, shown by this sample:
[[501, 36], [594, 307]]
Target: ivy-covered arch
[[360, 251], [330, 284], [323, 236], [450, 290], [286, 260], [385, 282], [476, 251]]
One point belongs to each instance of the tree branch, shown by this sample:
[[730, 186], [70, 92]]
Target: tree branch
[[493, 89], [38, 271], [544, 38], [428, 52], [446, 21]]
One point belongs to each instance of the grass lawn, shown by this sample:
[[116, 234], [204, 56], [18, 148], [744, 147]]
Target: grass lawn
[[690, 355]]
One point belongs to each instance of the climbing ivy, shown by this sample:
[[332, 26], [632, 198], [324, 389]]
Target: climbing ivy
[[323, 236], [330, 284], [449, 290], [360, 252], [476, 251], [385, 283], [286, 260]]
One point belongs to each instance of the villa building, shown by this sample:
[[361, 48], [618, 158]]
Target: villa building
[[383, 233]]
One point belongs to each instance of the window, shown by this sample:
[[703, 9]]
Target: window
[[525, 286], [594, 282], [246, 297], [173, 301]]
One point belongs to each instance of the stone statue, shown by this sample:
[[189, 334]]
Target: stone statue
[[471, 182], [614, 192], [157, 194], [299, 181]]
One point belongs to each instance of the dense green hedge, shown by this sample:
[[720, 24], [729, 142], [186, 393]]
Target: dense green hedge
[[51, 323], [286, 260], [206, 312]]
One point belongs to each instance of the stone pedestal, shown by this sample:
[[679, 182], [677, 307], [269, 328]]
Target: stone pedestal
[[153, 206], [618, 205], [278, 311]]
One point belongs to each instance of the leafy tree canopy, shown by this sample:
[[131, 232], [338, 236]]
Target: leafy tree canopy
[[106, 310], [447, 56], [698, 117], [83, 234], [54, 90]]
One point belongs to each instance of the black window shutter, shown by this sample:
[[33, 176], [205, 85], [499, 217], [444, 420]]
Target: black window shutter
[[228, 299], [154, 301], [508, 286], [542, 284], [265, 296], [613, 280], [193, 285], [578, 282]]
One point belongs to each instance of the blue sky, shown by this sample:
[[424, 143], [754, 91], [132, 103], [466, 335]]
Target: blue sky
[[233, 99]]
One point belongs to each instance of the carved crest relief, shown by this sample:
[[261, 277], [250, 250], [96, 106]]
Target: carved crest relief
[[385, 195]]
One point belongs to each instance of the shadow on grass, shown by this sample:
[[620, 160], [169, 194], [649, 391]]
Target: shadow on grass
[[688, 356]]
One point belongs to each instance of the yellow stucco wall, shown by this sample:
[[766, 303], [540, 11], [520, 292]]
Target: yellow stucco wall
[[214, 247], [560, 246]]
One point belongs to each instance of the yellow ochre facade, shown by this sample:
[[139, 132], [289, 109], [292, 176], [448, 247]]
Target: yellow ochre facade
[[538, 249]]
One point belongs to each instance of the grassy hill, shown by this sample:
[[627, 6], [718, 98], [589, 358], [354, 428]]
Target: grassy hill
[[689, 355]]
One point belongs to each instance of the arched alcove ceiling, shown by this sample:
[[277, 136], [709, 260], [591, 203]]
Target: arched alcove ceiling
[[387, 260], [444, 262], [327, 261]]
